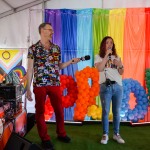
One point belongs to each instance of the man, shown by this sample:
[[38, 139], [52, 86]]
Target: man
[[44, 63]]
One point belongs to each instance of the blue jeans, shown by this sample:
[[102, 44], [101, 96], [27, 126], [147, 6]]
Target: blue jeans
[[110, 93]]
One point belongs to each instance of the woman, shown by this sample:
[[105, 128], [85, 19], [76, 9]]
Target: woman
[[110, 67]]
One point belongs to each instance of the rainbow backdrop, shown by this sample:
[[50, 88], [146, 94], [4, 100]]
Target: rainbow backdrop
[[81, 31]]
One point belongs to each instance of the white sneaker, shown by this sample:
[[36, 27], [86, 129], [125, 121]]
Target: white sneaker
[[118, 138], [104, 139]]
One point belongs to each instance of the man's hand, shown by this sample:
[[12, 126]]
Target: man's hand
[[29, 95], [75, 60], [72, 61]]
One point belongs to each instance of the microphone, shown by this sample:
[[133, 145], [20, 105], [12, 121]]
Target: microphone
[[87, 57], [109, 55]]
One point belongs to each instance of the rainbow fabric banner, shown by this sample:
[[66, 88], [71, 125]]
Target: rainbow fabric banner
[[80, 32], [128, 27]]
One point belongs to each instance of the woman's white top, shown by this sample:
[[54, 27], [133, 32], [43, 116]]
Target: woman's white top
[[110, 70]]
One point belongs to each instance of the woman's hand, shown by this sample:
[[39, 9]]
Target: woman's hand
[[109, 51], [118, 63]]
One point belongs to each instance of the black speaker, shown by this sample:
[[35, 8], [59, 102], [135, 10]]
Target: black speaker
[[10, 92], [16, 142]]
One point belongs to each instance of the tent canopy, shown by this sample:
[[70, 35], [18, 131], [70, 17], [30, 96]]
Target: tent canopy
[[9, 7]]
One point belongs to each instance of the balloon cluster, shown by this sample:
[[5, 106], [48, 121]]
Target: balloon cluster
[[48, 109], [69, 90], [138, 113], [147, 78], [87, 91], [95, 112]]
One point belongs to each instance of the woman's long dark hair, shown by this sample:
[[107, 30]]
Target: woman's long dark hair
[[102, 50]]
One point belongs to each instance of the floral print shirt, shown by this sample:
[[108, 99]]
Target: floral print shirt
[[46, 64]]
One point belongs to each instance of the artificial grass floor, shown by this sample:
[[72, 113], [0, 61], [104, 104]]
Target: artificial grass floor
[[87, 137]]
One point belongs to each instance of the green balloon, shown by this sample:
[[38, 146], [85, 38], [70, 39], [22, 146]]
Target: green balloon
[[148, 75], [148, 82], [146, 78]]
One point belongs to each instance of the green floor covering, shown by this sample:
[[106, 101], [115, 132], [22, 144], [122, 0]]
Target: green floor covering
[[87, 137]]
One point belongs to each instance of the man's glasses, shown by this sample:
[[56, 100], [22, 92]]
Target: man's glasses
[[51, 30]]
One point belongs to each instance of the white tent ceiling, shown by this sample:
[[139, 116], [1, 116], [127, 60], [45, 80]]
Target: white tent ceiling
[[9, 7], [19, 19]]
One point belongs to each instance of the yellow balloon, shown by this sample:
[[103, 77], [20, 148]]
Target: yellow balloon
[[110, 116], [98, 111], [99, 118], [94, 116], [93, 113], [89, 113], [93, 107]]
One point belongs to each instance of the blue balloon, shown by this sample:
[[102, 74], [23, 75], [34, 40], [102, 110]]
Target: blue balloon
[[122, 114], [141, 112], [130, 85], [125, 109], [139, 116], [144, 100], [129, 111], [141, 93], [137, 87], [124, 118], [135, 109], [135, 113], [144, 112], [139, 107], [124, 96], [123, 104], [140, 103], [133, 89], [131, 116], [135, 119], [144, 107], [139, 97]]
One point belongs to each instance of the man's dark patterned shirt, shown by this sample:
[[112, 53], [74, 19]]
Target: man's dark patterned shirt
[[46, 64]]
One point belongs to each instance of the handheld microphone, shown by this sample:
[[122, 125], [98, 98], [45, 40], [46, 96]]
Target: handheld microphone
[[109, 54], [87, 57]]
